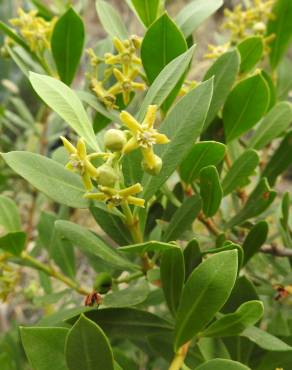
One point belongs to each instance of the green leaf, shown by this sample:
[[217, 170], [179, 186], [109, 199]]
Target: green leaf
[[49, 177], [210, 190], [67, 44], [238, 175], [172, 275], [166, 81], [14, 36], [221, 364], [87, 347], [60, 316], [228, 245], [280, 160], [66, 104], [272, 125], [183, 218], [192, 257], [273, 93], [130, 296], [202, 154], [255, 239], [245, 106], [13, 242], [44, 347], [194, 13], [265, 340], [214, 278], [280, 25], [111, 20], [251, 52], [225, 71], [152, 246], [147, 10], [259, 200], [274, 360], [191, 112], [9, 215], [88, 242], [234, 323]]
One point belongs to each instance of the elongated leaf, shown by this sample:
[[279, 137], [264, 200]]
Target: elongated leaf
[[192, 257], [255, 239], [272, 125], [280, 25], [66, 104], [202, 154], [151, 246], [87, 347], [111, 20], [44, 347], [210, 190], [49, 177], [227, 245], [183, 218], [214, 278], [67, 44], [272, 361], [147, 10], [91, 243], [234, 323], [166, 81], [259, 200], [251, 51], [238, 175], [9, 215], [14, 36], [193, 14], [225, 70], [13, 242], [172, 274], [221, 364], [191, 112], [245, 106]]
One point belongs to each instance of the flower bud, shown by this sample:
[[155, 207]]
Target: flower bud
[[103, 283], [155, 168], [115, 140], [106, 175], [260, 27]]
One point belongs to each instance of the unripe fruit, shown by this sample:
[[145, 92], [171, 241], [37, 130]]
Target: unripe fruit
[[106, 176], [115, 140], [103, 283], [154, 170]]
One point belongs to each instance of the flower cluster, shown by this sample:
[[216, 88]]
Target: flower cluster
[[34, 29], [108, 176], [124, 66]]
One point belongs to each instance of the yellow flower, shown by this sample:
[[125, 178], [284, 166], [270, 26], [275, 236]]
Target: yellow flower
[[144, 136], [114, 197], [107, 98], [217, 51]]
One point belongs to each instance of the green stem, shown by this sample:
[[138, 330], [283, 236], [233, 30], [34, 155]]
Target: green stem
[[179, 358], [129, 278]]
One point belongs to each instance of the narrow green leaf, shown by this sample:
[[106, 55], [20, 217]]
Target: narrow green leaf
[[66, 104], [152, 246], [192, 257], [172, 275], [191, 112], [272, 125], [14, 36], [49, 177], [13, 242], [245, 106], [214, 278], [255, 239], [194, 13], [251, 52], [9, 215], [202, 154], [228, 245], [234, 323], [67, 44], [183, 218], [238, 175], [221, 364], [87, 347], [210, 190], [44, 347], [147, 10], [111, 20]]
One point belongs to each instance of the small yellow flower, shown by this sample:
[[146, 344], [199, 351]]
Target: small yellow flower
[[106, 97], [217, 51], [94, 59], [144, 136], [114, 197]]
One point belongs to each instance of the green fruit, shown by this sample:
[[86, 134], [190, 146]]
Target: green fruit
[[106, 176], [155, 169], [115, 140], [103, 283]]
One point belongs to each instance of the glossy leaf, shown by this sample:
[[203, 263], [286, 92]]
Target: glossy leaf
[[172, 275], [147, 10], [67, 44], [183, 218], [240, 171], [214, 278], [255, 239], [222, 364], [245, 106], [210, 190], [87, 347], [192, 257], [272, 125], [9, 215], [49, 177], [111, 20], [151, 246], [251, 52], [66, 104], [202, 154], [13, 242]]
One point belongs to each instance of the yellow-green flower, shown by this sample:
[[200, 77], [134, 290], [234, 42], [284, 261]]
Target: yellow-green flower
[[144, 136], [114, 197], [105, 96]]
